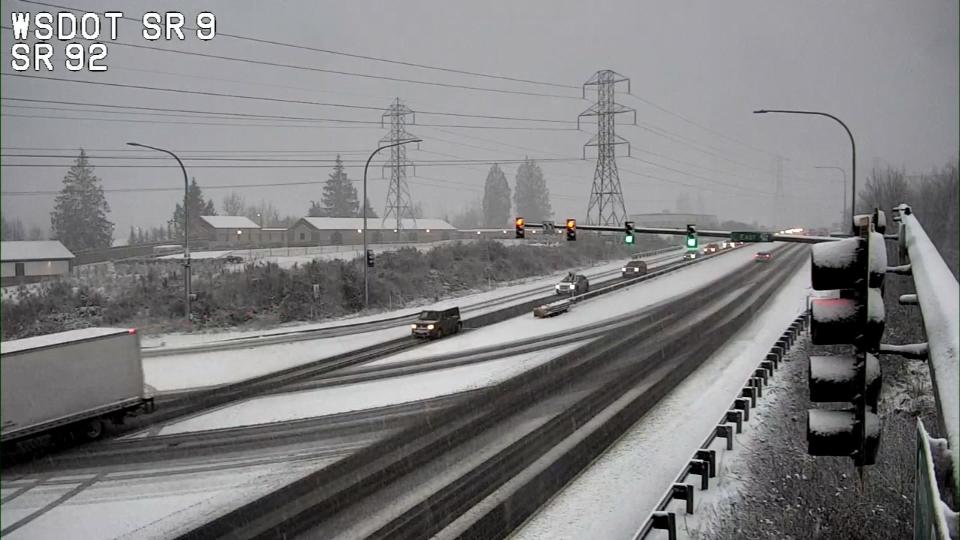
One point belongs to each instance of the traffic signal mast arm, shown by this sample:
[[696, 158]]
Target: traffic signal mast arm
[[776, 237]]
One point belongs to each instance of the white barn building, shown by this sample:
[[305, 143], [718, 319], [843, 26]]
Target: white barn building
[[26, 262]]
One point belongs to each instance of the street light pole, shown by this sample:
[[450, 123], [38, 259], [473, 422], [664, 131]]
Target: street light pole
[[186, 226], [366, 287], [843, 190], [853, 153]]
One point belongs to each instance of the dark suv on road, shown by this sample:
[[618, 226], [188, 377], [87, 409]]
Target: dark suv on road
[[434, 324], [633, 268], [573, 285]]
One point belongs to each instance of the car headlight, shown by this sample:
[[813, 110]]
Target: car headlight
[[429, 327], [624, 269], [413, 327]]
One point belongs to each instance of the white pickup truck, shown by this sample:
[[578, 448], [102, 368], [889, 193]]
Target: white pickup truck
[[70, 381]]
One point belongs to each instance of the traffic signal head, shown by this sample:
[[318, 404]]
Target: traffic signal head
[[520, 223], [571, 229], [628, 227], [853, 268], [370, 258], [691, 241]]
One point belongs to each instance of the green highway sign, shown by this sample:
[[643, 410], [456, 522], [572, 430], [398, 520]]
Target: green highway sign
[[751, 236]]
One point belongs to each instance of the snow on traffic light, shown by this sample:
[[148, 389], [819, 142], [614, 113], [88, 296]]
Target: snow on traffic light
[[520, 223], [854, 268]]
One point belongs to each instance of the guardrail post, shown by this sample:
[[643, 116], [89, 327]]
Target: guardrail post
[[698, 466], [750, 392], [743, 404], [735, 416], [767, 366], [666, 521], [772, 357], [784, 347], [756, 383], [778, 351], [684, 492], [726, 431], [761, 373], [710, 456]]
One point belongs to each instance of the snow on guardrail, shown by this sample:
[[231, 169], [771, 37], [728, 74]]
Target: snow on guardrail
[[938, 294]]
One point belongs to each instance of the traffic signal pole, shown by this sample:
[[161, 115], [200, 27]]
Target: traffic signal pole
[[737, 236]]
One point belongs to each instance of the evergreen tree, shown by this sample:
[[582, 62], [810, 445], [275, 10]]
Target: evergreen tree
[[317, 210], [339, 195], [233, 204], [141, 238], [197, 206], [496, 198], [132, 239], [371, 213], [531, 196], [12, 231], [36, 233], [79, 218]]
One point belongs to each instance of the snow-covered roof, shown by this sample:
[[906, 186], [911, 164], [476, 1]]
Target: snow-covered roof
[[230, 222], [46, 340], [34, 251], [344, 224]]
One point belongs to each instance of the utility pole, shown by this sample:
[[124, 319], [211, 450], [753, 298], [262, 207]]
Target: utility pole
[[186, 227], [398, 194], [778, 208], [606, 197]]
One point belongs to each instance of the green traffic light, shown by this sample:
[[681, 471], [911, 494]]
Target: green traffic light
[[628, 239], [691, 241]]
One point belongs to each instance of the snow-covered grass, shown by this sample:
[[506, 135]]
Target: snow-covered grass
[[613, 497], [367, 395], [118, 506], [197, 370]]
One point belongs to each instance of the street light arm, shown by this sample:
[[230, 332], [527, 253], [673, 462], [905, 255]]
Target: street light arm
[[366, 289], [186, 223], [853, 145]]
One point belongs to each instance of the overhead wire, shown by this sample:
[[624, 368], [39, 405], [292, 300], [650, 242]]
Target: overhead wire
[[343, 53]]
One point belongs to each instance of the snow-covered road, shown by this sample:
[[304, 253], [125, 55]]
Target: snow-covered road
[[190, 370], [646, 460], [322, 401]]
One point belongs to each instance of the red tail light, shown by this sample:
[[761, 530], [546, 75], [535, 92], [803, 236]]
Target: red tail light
[[132, 331]]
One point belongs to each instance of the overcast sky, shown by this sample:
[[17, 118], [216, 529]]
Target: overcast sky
[[888, 68]]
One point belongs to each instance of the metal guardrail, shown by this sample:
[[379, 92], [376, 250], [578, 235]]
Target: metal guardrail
[[938, 295], [929, 517], [704, 462]]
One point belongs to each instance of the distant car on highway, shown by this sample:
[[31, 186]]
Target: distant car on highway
[[690, 255], [432, 324], [711, 248], [633, 268], [573, 285], [763, 256]]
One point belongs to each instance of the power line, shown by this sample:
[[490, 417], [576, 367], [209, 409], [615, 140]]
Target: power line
[[701, 126], [366, 125], [210, 150], [270, 99], [447, 163], [350, 55], [332, 71]]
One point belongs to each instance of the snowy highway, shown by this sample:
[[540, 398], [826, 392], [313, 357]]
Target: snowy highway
[[191, 471]]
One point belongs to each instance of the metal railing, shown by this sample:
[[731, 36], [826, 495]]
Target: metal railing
[[704, 460], [938, 295]]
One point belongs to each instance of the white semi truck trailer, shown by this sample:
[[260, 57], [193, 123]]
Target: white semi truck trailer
[[70, 381]]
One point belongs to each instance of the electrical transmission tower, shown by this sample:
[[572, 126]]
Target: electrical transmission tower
[[398, 195], [606, 198]]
